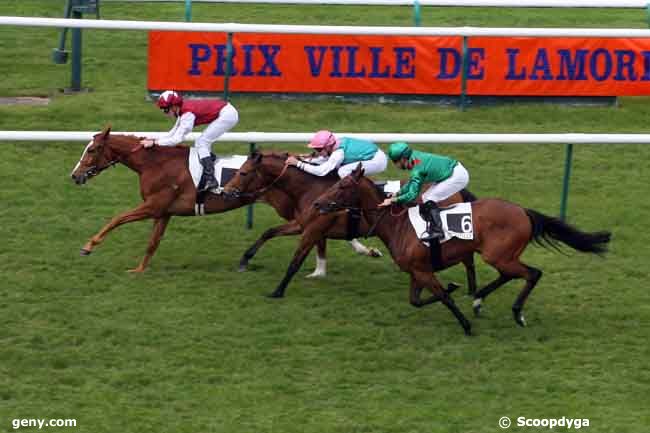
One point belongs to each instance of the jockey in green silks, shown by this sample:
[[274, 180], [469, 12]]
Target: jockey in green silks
[[447, 175]]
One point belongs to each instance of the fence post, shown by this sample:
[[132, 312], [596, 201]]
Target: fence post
[[416, 13], [226, 80], [188, 10], [249, 209], [75, 84], [463, 76], [565, 182]]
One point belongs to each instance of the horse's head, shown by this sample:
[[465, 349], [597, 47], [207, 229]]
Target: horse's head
[[256, 175], [344, 194], [95, 158]]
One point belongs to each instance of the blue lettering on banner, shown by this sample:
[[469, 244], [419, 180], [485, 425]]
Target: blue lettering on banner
[[625, 61], [269, 52], [200, 53], [593, 64], [568, 66], [474, 69], [376, 59], [646, 65], [541, 65], [349, 61], [580, 65], [445, 55], [404, 57], [512, 61]]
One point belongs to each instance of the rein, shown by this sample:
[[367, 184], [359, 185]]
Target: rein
[[267, 187]]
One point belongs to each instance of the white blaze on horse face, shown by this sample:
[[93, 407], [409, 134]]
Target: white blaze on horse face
[[82, 157]]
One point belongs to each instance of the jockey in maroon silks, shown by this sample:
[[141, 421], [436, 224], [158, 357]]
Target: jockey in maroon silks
[[219, 115]]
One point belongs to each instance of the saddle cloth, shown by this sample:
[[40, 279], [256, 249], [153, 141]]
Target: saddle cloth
[[456, 222], [388, 186], [224, 168]]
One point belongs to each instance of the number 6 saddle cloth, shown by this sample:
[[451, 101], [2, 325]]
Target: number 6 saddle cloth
[[456, 222]]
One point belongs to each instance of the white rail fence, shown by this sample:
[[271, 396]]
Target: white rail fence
[[311, 29], [304, 137], [636, 4]]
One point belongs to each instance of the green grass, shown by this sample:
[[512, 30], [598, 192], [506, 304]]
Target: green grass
[[194, 346]]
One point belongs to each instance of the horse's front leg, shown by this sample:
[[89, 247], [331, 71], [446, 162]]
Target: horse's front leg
[[307, 241], [288, 229], [141, 212], [429, 280], [159, 226]]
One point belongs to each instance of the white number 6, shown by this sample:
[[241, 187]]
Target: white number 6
[[466, 223]]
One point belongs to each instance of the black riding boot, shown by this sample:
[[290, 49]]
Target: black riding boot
[[208, 174], [431, 214]]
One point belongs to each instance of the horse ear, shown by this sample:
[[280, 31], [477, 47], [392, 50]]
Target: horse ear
[[256, 157], [106, 132], [358, 172]]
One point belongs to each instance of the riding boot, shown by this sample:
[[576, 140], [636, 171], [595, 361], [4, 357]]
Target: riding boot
[[209, 181], [431, 214]]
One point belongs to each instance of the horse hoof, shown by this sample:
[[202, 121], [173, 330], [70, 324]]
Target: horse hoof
[[468, 330], [519, 318], [276, 295], [476, 306], [316, 275], [84, 252], [242, 268], [451, 288], [374, 252]]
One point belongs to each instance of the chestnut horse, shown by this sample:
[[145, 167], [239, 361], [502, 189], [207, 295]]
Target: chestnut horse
[[263, 170], [502, 230], [166, 187]]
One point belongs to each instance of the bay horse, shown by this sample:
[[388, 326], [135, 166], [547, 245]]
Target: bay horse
[[263, 170], [502, 230], [166, 187]]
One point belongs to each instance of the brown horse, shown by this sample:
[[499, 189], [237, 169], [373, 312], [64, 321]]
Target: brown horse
[[263, 170], [166, 187], [502, 230]]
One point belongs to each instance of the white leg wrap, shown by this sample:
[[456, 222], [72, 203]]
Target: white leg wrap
[[321, 268]]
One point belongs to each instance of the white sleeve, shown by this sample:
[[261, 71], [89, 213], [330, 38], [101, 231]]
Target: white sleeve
[[333, 162], [183, 126]]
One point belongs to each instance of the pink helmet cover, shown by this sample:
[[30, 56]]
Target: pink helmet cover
[[323, 138]]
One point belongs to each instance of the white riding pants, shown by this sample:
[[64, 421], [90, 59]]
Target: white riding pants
[[375, 165], [448, 187], [228, 117]]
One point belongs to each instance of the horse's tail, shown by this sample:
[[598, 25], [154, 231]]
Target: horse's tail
[[547, 231], [467, 196]]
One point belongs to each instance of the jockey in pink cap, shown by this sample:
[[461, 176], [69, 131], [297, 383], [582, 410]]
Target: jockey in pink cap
[[220, 116], [342, 155]]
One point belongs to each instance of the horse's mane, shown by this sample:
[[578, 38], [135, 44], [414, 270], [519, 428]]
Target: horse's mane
[[135, 140]]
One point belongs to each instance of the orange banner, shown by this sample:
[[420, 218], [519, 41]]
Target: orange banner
[[340, 64]]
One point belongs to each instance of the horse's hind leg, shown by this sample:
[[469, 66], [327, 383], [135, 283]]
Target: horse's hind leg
[[288, 229], [159, 227], [482, 294], [532, 277]]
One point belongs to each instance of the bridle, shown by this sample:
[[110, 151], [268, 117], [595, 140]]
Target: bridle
[[236, 193]]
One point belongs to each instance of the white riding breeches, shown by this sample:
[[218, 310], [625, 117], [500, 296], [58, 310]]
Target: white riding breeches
[[375, 165], [228, 117], [448, 187]]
